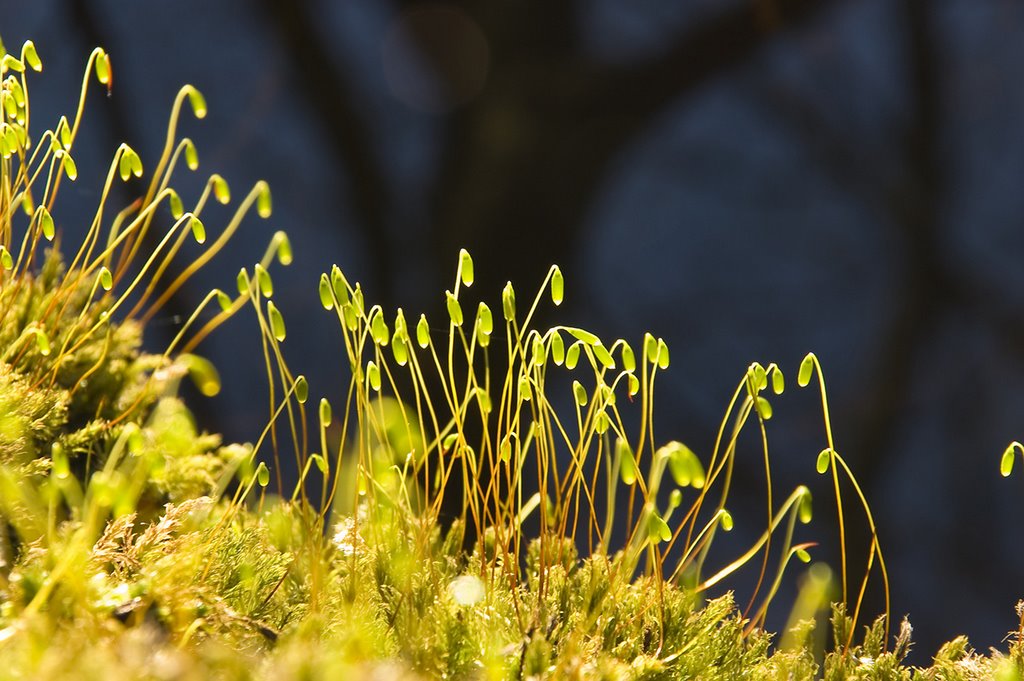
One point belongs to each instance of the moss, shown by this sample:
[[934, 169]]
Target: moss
[[31, 418], [189, 464], [133, 546]]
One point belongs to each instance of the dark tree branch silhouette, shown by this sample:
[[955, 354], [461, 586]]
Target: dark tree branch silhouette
[[328, 90], [916, 205], [524, 159], [521, 161]]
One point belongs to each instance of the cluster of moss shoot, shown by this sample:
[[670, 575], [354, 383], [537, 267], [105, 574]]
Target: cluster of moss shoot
[[133, 547]]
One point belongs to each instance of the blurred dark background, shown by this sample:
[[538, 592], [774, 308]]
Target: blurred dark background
[[750, 179]]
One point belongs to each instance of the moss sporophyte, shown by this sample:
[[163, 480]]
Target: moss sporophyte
[[581, 545]]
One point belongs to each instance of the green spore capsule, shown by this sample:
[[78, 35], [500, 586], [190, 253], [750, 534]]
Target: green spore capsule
[[379, 328], [301, 389], [538, 351], [603, 356], [198, 230], [242, 282], [580, 393], [466, 267], [102, 67], [628, 358], [320, 462], [657, 529], [264, 281], [824, 461], [778, 381], [683, 464], [454, 309], [662, 354], [70, 169], [339, 284], [264, 205], [284, 248], [725, 520], [276, 321], [803, 376], [198, 102], [557, 348], [1006, 463], [348, 312], [508, 302], [758, 377], [373, 375], [136, 164], [262, 475], [423, 332], [484, 400], [325, 292], [650, 348], [174, 203], [64, 133], [557, 286], [805, 510], [191, 157], [525, 393], [221, 191], [124, 166], [357, 299], [583, 335], [31, 57], [203, 374], [399, 348], [628, 471], [572, 355], [11, 62], [485, 321]]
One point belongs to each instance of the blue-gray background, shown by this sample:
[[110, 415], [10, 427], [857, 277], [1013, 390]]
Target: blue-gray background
[[749, 179]]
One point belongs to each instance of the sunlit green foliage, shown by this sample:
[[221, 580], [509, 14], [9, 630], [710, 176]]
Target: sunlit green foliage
[[581, 543]]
